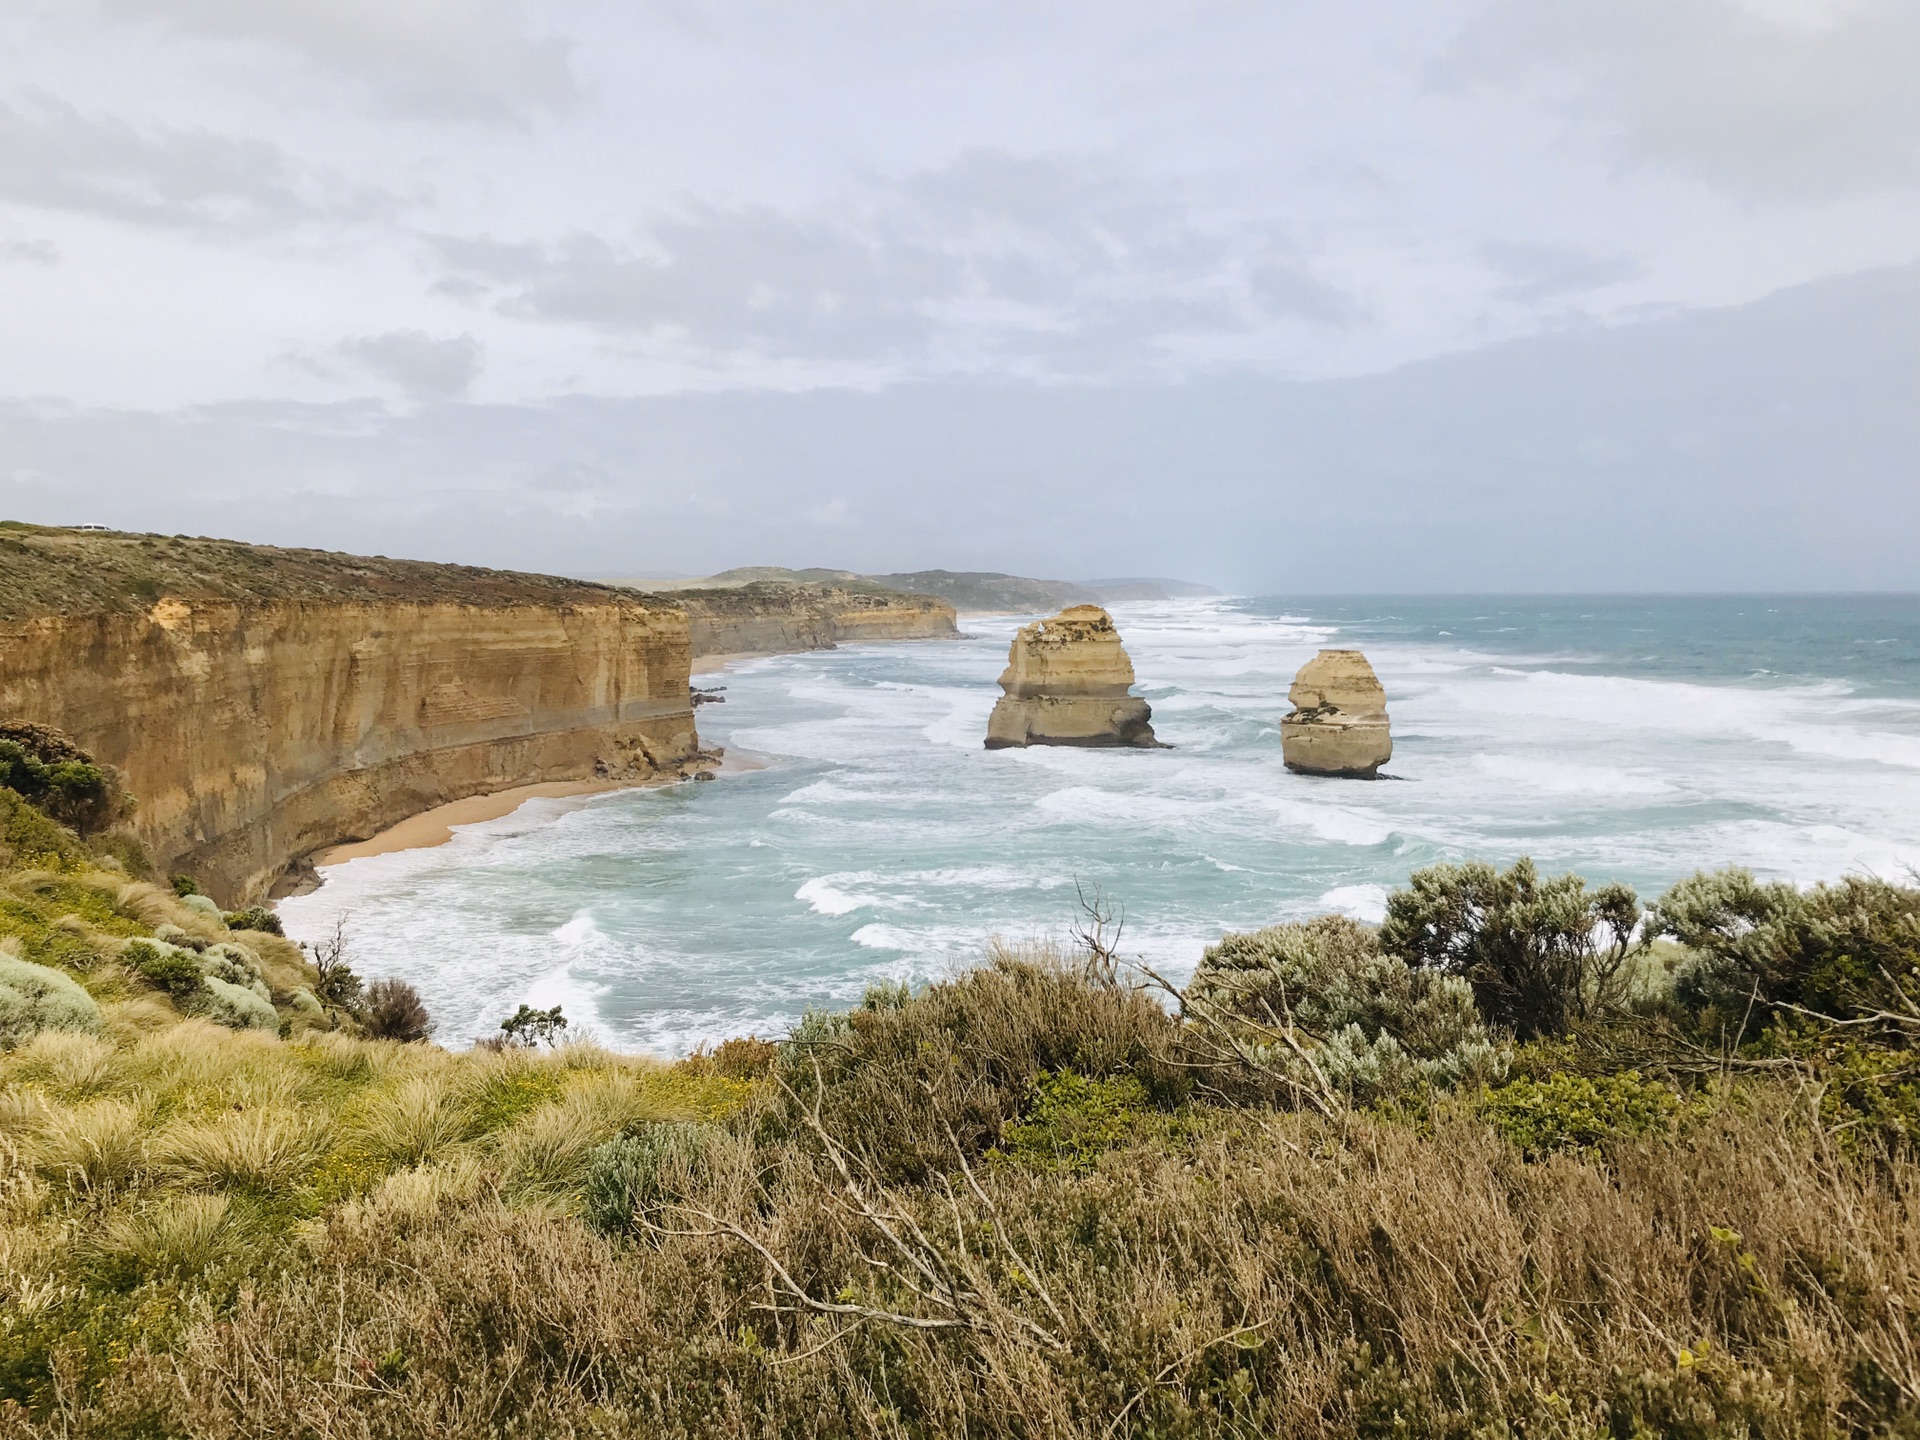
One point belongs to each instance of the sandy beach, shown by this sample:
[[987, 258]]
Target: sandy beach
[[435, 827]]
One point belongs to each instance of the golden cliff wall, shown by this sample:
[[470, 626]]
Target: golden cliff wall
[[775, 619], [255, 732]]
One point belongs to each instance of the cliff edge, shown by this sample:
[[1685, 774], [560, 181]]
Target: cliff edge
[[265, 703]]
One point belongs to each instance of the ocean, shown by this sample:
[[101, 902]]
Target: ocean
[[874, 839]]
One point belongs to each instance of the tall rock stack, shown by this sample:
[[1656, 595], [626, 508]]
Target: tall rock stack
[[1339, 720], [1067, 682]]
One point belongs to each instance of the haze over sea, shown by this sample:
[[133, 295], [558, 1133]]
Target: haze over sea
[[1625, 738]]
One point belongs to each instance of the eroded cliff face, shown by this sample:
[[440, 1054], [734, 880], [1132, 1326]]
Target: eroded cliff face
[[775, 618], [254, 732]]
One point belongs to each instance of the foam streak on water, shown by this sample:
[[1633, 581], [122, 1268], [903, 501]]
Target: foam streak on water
[[1631, 740]]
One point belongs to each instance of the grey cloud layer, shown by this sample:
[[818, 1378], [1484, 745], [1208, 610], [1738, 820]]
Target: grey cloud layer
[[993, 256], [1782, 100], [52, 155], [477, 58], [1765, 447]]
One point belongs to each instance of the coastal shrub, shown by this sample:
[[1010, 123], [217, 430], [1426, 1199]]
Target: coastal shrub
[[1843, 950], [236, 965], [908, 1085], [29, 839], [237, 1007], [1871, 1096], [1539, 953], [34, 999], [201, 905], [175, 970], [634, 1172], [1319, 1009], [528, 1026], [303, 1003], [1072, 1120], [255, 917], [1576, 1112], [394, 1011], [184, 885], [45, 768]]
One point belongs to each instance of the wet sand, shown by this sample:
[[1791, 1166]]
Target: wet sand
[[435, 827]]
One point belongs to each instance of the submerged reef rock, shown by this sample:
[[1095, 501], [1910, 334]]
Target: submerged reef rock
[[1339, 720], [1067, 683]]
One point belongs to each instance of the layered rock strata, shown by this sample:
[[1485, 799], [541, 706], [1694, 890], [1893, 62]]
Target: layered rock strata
[[267, 704], [1067, 682], [1339, 722], [771, 618]]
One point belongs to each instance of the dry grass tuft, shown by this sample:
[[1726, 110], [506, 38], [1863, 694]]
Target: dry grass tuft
[[178, 1238], [419, 1119], [95, 1150], [262, 1149]]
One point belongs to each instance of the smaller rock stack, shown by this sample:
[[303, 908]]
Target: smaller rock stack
[[1067, 682], [1339, 720]]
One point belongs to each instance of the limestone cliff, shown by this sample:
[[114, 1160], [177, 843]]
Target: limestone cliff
[[1339, 722], [771, 617], [264, 703], [1067, 682]]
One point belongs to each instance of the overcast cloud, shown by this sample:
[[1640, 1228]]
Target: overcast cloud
[[1082, 288]]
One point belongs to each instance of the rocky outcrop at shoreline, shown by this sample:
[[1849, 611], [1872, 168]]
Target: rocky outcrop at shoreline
[[1067, 682], [1339, 722]]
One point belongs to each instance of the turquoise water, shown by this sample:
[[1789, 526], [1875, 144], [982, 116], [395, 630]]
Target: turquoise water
[[1632, 739]]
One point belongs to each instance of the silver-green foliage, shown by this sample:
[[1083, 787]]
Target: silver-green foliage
[[236, 965], [34, 998], [236, 1007], [1372, 1024], [655, 1163]]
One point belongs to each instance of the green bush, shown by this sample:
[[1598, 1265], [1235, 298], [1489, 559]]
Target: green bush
[[1373, 1024], [174, 970], [29, 839], [255, 917], [202, 904], [904, 1084], [654, 1164], [48, 770], [1539, 953], [237, 965], [34, 998], [1072, 1120], [237, 1007], [1572, 1112], [1842, 950]]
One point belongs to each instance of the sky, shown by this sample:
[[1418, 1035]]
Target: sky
[[1428, 295]]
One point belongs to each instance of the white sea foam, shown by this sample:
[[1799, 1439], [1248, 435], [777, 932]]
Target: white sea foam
[[882, 937], [826, 898], [666, 918], [1362, 902]]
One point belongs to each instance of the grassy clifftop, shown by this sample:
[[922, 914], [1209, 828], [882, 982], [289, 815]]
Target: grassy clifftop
[[47, 571], [1561, 1182]]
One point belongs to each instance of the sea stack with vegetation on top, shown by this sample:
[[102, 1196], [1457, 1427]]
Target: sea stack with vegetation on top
[[1068, 681], [1339, 722]]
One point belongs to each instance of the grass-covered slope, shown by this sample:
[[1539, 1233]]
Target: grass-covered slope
[[50, 571], [1503, 1166]]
